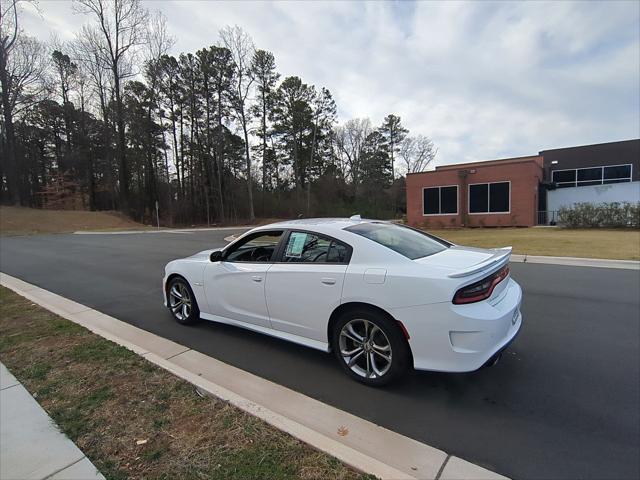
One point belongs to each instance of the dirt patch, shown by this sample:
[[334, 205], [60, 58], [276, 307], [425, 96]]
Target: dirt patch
[[27, 221], [135, 420]]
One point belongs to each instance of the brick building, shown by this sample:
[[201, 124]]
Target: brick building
[[514, 191]]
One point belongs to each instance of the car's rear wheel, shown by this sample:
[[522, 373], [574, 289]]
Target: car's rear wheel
[[370, 347], [182, 302]]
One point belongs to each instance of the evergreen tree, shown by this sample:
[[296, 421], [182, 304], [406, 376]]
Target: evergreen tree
[[394, 133], [263, 70]]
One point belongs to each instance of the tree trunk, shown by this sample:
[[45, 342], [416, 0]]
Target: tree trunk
[[220, 155], [264, 149], [181, 171], [313, 145], [152, 177], [209, 144], [252, 215], [121, 146], [168, 175], [175, 146], [13, 180], [89, 152]]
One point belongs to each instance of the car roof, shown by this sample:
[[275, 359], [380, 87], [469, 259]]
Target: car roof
[[321, 225]]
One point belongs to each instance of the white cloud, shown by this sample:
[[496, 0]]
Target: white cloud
[[483, 79]]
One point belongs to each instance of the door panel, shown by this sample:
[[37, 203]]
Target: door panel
[[301, 297], [237, 291], [235, 285]]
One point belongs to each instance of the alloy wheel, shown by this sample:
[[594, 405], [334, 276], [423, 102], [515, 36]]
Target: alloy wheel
[[180, 301], [365, 348]]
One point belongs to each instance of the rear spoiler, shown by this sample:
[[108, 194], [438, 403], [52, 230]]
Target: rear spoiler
[[500, 257]]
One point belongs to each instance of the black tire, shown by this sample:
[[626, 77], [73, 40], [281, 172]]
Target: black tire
[[184, 316], [400, 353]]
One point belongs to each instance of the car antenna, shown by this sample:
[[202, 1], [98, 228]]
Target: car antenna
[[356, 218]]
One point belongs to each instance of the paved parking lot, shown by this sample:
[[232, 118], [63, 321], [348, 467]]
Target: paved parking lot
[[563, 402]]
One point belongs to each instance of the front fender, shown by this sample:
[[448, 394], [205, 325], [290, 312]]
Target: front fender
[[192, 270]]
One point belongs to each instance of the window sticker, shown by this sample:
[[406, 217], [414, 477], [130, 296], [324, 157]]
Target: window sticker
[[296, 244]]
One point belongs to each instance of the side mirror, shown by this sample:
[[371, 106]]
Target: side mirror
[[216, 256]]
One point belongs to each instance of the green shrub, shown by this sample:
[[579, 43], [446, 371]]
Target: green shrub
[[601, 215]]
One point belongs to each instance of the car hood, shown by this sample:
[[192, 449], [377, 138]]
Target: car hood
[[461, 259], [204, 254]]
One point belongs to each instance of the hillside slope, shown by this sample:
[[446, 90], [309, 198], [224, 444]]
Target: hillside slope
[[26, 221]]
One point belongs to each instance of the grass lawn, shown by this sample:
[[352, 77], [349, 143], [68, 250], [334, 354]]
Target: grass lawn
[[27, 221], [557, 242], [135, 420]]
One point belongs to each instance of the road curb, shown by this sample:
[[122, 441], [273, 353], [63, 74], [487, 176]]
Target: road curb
[[577, 261], [357, 442], [162, 230]]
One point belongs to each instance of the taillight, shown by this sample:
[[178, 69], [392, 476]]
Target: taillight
[[481, 290]]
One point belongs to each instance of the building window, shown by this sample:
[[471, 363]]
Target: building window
[[617, 174], [564, 178], [440, 200], [583, 177], [490, 197]]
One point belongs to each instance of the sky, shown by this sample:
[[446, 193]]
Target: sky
[[483, 80]]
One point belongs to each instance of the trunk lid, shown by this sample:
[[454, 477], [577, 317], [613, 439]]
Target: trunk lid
[[466, 261]]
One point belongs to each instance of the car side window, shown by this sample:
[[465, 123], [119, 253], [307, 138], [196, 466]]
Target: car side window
[[338, 253], [305, 247], [258, 248]]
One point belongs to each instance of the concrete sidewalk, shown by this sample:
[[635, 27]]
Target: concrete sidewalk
[[31, 446]]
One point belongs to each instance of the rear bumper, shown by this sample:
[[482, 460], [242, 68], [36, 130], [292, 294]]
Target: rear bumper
[[496, 356], [462, 338]]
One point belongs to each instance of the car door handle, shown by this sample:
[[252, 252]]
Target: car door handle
[[256, 278], [328, 281]]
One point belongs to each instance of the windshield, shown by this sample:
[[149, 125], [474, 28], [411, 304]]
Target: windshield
[[405, 240]]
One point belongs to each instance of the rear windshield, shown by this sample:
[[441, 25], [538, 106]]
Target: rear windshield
[[405, 240]]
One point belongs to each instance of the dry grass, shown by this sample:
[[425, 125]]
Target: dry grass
[[27, 221], [559, 242], [135, 420]]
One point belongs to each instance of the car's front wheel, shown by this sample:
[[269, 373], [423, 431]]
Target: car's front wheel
[[370, 347], [182, 302]]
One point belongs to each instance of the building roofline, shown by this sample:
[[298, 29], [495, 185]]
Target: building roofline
[[589, 145], [480, 163], [500, 161]]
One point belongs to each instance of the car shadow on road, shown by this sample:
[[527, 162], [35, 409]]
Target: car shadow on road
[[318, 374]]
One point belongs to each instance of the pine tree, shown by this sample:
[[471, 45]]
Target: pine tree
[[394, 133]]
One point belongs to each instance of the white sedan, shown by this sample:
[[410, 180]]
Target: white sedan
[[382, 297]]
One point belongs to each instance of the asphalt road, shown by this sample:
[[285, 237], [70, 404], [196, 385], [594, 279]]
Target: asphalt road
[[563, 402]]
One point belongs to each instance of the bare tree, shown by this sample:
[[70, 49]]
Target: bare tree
[[120, 28], [158, 39], [242, 50], [91, 63], [158, 43], [351, 139], [417, 153], [83, 85], [22, 68], [66, 72]]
